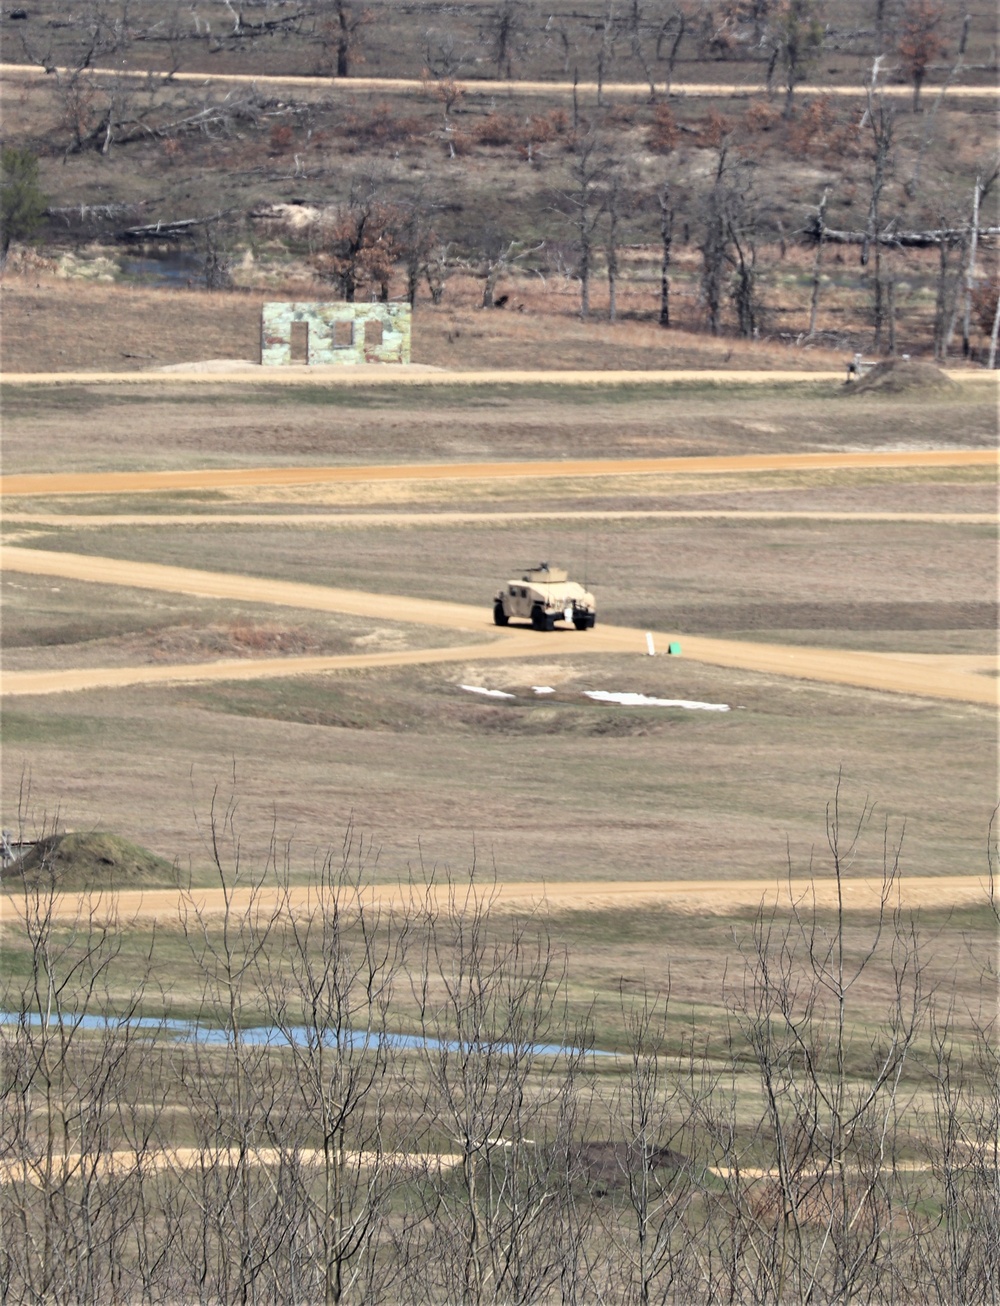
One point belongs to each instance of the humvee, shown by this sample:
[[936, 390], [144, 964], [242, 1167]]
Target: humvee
[[545, 595]]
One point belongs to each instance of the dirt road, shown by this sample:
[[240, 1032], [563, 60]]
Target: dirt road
[[956, 677], [350, 85], [308, 518], [154, 1160], [244, 373], [242, 477], [702, 896]]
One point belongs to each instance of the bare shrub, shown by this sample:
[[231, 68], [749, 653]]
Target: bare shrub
[[371, 1106]]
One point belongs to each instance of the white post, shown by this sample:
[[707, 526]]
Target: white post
[[649, 644], [970, 271]]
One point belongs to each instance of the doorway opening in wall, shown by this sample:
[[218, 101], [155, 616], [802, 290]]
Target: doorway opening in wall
[[342, 335], [299, 343], [373, 335]]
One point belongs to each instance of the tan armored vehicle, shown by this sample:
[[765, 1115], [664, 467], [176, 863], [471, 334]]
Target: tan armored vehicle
[[543, 596]]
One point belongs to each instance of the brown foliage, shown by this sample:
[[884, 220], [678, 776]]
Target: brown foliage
[[819, 128], [761, 117], [620, 114], [984, 302], [446, 90], [717, 127], [664, 133], [524, 133], [498, 129], [380, 127], [282, 138], [360, 246], [920, 42]]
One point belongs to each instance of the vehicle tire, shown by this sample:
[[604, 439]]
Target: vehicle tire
[[584, 623], [500, 617], [539, 620]]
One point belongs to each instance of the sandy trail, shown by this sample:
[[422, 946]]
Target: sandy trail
[[956, 677], [307, 518], [235, 477], [156, 1160], [492, 87], [702, 896], [243, 372]]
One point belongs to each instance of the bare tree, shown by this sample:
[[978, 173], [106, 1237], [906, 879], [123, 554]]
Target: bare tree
[[713, 246], [422, 251], [69, 1063], [665, 202], [497, 254], [490, 996], [619, 197], [913, 182], [729, 242], [655, 31], [983, 185], [796, 35], [339, 27], [880, 118], [606, 48], [919, 41], [505, 32], [829, 1126], [816, 276], [587, 171], [358, 245], [946, 296], [654, 1113], [331, 988], [374, 1106]]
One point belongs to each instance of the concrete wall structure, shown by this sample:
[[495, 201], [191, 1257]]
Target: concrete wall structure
[[321, 334]]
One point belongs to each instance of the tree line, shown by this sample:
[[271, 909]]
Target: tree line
[[598, 196], [507, 39]]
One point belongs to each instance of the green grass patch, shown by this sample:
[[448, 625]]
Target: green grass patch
[[95, 860], [20, 728]]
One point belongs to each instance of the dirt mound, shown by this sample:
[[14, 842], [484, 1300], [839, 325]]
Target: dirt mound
[[896, 376], [88, 861]]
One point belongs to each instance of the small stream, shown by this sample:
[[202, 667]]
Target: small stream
[[190, 1031], [175, 268]]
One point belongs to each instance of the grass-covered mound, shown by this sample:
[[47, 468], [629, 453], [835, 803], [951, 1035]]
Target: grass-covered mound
[[94, 860], [897, 376]]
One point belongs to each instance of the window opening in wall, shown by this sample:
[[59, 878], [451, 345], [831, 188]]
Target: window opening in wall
[[373, 334], [342, 334], [299, 342]]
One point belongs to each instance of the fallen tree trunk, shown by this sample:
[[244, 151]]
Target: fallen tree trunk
[[167, 230], [899, 239]]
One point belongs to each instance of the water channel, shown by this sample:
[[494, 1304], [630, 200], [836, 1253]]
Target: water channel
[[191, 1031]]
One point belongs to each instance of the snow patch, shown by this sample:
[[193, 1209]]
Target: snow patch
[[490, 693], [642, 700], [543, 689]]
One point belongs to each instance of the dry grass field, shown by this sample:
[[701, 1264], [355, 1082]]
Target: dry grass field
[[565, 788], [392, 958]]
